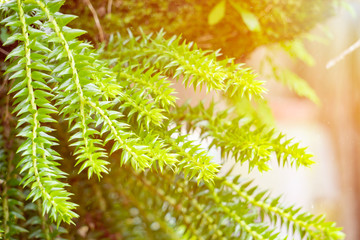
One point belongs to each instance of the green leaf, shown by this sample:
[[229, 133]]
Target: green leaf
[[249, 18], [16, 52], [71, 33], [294, 82], [217, 13], [64, 19], [297, 50]]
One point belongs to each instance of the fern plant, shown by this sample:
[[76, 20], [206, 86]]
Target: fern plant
[[101, 129]]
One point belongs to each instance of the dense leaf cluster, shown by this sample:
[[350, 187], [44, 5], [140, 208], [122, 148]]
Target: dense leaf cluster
[[278, 21], [111, 115]]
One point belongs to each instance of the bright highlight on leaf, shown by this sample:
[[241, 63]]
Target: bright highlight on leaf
[[296, 49], [217, 13], [250, 19], [293, 81]]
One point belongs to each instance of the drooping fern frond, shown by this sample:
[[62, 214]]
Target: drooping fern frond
[[178, 59], [88, 149], [291, 80], [55, 67], [293, 218], [34, 109], [232, 210], [241, 138]]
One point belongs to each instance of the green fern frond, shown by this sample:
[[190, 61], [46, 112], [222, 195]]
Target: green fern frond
[[240, 138], [88, 149], [132, 150], [293, 81], [177, 59], [294, 219], [297, 50], [68, 75], [227, 211], [193, 161], [157, 86], [34, 109]]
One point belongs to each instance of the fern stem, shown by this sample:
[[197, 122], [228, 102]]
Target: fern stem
[[219, 128], [208, 170], [36, 123], [75, 75], [156, 119], [108, 121]]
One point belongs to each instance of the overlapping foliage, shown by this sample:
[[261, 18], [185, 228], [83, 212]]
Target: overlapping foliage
[[274, 21], [111, 113]]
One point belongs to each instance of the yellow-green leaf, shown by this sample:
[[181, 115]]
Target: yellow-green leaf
[[217, 13], [248, 17], [296, 49], [295, 83]]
